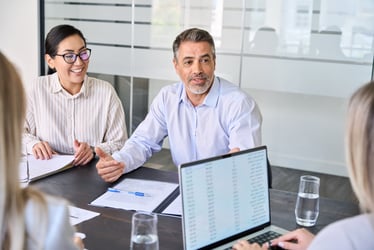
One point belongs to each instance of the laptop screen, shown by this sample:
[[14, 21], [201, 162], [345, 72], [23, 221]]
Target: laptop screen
[[224, 197]]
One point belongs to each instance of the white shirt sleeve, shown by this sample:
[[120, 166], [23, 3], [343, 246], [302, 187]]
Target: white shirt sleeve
[[58, 233]]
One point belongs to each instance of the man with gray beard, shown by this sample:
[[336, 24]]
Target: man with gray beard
[[202, 115]]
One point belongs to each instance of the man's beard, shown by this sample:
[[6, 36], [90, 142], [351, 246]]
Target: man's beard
[[199, 89]]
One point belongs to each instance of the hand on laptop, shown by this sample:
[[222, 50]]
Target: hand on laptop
[[298, 239], [108, 168]]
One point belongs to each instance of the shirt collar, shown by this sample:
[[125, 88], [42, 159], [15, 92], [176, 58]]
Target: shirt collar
[[210, 100], [57, 87]]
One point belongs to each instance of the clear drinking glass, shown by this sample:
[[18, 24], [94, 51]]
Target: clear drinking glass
[[24, 171], [307, 204], [144, 231]]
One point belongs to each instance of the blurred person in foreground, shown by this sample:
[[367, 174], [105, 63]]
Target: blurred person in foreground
[[28, 218], [356, 232]]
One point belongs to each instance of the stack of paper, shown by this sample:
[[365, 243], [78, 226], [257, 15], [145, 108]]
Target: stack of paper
[[137, 194], [31, 169]]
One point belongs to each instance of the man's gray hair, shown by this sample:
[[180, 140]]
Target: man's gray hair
[[193, 35]]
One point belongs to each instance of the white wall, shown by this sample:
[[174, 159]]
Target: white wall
[[20, 36], [303, 131]]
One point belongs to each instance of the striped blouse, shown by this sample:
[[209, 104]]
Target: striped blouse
[[94, 115]]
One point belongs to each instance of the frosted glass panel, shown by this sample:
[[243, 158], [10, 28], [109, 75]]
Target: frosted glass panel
[[308, 77], [327, 30], [232, 18], [153, 64], [300, 59], [228, 67], [89, 12], [110, 33], [110, 60], [92, 1]]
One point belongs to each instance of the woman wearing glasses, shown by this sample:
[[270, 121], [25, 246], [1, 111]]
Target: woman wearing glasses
[[69, 112]]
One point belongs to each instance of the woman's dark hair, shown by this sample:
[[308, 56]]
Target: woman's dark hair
[[55, 36]]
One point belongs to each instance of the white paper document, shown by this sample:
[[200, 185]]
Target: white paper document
[[33, 169], [78, 215], [136, 194], [174, 208]]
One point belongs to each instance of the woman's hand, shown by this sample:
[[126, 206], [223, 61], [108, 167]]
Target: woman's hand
[[83, 153], [245, 245], [299, 239], [42, 150]]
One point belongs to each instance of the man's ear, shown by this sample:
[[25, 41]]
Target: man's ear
[[174, 62], [50, 61]]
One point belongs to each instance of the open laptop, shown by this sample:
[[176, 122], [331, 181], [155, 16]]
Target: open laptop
[[224, 199]]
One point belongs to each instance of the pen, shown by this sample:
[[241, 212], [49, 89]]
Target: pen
[[116, 190]]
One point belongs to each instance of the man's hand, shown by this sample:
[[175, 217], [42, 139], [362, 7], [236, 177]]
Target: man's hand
[[234, 150], [108, 168], [42, 150], [83, 153]]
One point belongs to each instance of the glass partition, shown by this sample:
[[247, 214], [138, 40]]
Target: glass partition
[[300, 60]]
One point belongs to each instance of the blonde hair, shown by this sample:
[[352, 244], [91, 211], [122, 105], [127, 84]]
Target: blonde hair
[[359, 145], [14, 235]]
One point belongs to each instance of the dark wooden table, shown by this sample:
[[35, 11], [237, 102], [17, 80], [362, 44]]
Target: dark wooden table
[[112, 229]]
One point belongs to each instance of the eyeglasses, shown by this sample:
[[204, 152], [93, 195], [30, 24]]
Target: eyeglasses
[[70, 58]]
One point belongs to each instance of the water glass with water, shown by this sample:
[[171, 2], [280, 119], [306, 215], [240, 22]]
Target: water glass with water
[[24, 171], [307, 203], [144, 231]]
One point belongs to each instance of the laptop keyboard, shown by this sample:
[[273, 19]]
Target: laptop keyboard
[[265, 237], [262, 238]]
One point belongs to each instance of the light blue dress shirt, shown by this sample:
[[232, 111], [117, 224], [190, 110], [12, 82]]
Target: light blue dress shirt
[[227, 118]]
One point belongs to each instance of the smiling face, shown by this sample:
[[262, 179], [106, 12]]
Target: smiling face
[[71, 76], [195, 65]]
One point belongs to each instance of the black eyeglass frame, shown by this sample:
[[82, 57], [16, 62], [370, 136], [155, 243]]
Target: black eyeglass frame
[[76, 56]]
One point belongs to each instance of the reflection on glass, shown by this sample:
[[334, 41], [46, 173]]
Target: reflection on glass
[[265, 41], [317, 29]]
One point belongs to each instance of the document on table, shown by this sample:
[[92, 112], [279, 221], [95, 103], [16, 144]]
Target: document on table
[[78, 215], [41, 168], [174, 208], [136, 194]]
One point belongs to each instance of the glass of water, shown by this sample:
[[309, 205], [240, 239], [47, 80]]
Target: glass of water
[[307, 203], [24, 171], [144, 231]]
